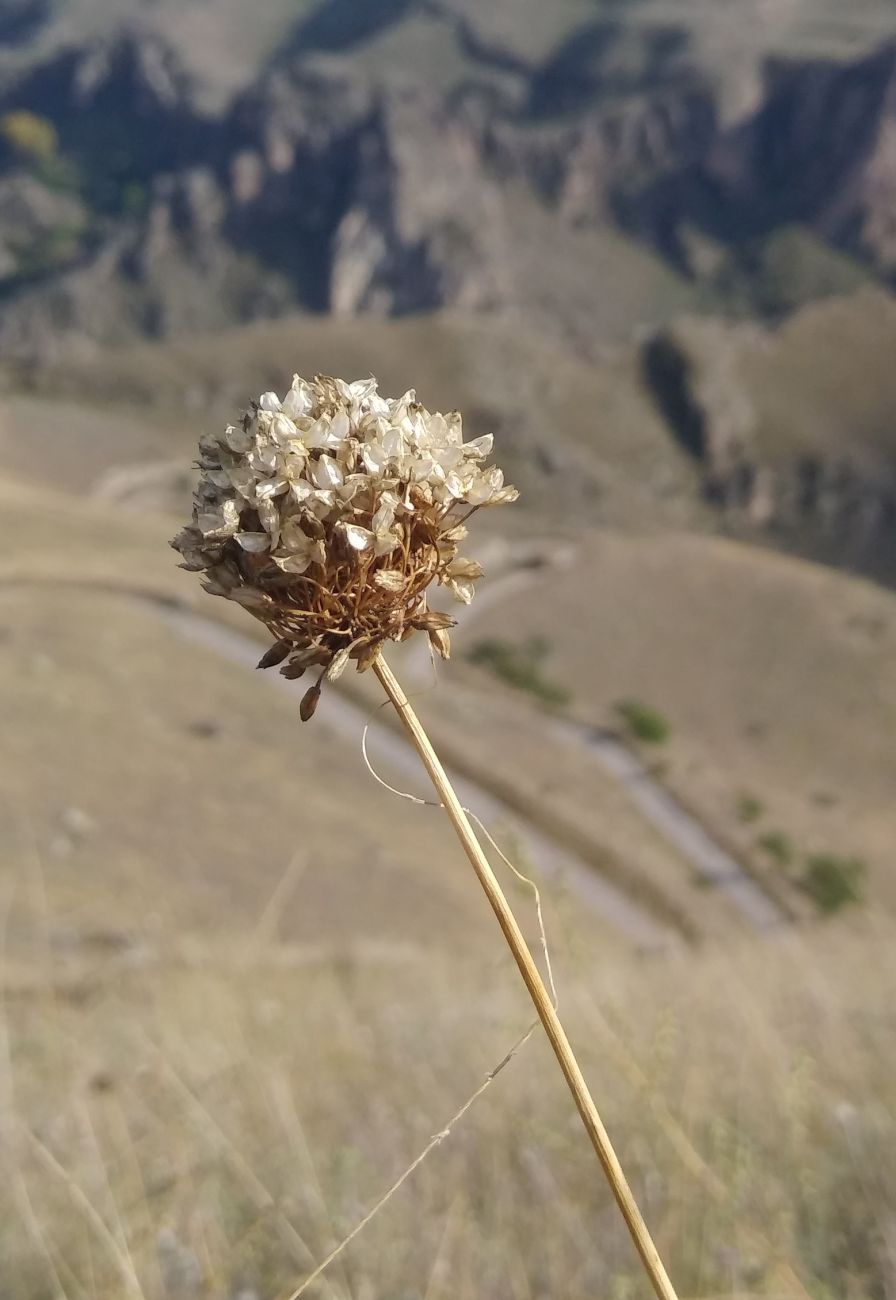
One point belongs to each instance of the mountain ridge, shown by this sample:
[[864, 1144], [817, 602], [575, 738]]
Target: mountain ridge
[[418, 163]]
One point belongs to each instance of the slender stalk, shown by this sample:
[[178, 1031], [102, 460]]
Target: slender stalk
[[534, 983]]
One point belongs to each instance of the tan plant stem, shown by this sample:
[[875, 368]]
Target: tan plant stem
[[534, 983]]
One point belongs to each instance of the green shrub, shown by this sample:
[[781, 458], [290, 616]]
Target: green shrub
[[521, 667], [778, 846], [833, 882], [749, 809], [134, 199], [28, 134], [59, 173], [644, 722], [48, 250]]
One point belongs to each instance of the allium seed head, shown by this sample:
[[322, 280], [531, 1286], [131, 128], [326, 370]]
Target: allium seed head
[[329, 514]]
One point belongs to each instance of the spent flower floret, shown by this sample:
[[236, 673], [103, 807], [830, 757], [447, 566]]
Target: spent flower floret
[[330, 513]]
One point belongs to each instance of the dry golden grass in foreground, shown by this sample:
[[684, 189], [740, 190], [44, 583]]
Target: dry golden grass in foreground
[[211, 1126]]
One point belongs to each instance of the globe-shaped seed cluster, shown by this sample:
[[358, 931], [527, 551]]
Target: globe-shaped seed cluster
[[328, 514]]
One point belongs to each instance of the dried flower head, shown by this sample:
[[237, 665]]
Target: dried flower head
[[329, 514]]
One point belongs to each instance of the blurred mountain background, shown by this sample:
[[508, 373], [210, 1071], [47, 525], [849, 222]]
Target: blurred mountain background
[[651, 245], [693, 202]]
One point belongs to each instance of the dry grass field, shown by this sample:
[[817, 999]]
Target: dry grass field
[[199, 1123], [243, 986]]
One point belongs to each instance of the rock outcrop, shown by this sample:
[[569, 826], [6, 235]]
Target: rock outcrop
[[794, 429], [547, 189], [820, 152]]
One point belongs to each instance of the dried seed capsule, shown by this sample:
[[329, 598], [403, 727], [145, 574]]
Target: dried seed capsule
[[440, 642], [309, 703], [432, 620], [367, 656], [277, 653]]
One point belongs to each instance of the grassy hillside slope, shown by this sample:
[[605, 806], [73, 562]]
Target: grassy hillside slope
[[583, 440], [776, 678]]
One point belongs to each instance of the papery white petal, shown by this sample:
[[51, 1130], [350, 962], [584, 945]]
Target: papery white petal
[[322, 503], [293, 563], [237, 439], [270, 487], [375, 458], [456, 534], [454, 484], [222, 522], [243, 479], [360, 539], [270, 519], [282, 428], [484, 486], [264, 459], [317, 434], [339, 429], [449, 457], [298, 400], [438, 429], [352, 485], [462, 591], [383, 517], [455, 426], [480, 447], [503, 497], [386, 542], [421, 468], [394, 442], [255, 543], [326, 473], [462, 569], [362, 389], [421, 431], [295, 454], [210, 522], [292, 536], [269, 402]]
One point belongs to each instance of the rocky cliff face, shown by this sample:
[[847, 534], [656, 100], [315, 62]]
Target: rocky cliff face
[[329, 186], [820, 151], [794, 429]]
